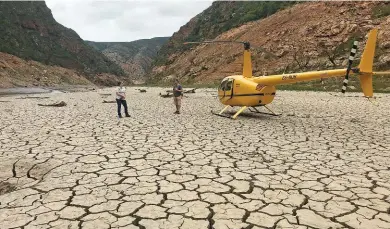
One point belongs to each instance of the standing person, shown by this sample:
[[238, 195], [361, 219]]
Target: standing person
[[121, 100], [177, 95]]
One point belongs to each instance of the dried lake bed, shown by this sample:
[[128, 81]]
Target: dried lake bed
[[324, 163]]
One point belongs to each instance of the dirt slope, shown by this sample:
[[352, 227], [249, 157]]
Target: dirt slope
[[17, 72], [306, 36], [220, 17]]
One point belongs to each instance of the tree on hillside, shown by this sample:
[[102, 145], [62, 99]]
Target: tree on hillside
[[329, 52], [300, 57]]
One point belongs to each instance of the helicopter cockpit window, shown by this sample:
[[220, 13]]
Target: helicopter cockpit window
[[223, 85], [229, 85]]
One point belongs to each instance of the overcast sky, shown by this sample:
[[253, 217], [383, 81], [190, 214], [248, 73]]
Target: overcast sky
[[125, 20]]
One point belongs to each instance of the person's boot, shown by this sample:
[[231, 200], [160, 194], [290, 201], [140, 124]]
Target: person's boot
[[177, 110], [120, 116], [127, 115]]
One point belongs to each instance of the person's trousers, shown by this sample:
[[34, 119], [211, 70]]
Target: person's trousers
[[121, 102]]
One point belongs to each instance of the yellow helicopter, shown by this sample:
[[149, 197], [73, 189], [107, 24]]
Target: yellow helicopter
[[247, 91]]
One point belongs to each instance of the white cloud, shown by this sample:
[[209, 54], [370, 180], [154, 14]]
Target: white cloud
[[125, 20]]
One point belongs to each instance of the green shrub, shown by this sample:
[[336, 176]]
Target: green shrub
[[381, 11]]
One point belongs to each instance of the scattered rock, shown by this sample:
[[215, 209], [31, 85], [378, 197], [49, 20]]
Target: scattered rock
[[6, 187], [354, 120], [3, 64], [190, 91], [168, 95], [33, 97], [60, 104]]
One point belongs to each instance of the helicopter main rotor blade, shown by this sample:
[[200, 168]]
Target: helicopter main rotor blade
[[200, 42], [237, 42]]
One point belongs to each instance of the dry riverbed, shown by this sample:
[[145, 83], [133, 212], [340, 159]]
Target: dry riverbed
[[325, 163]]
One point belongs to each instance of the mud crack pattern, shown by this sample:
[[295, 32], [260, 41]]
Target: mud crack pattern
[[323, 164]]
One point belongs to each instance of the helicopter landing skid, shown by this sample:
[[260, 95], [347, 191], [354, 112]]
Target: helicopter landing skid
[[259, 112], [221, 115], [232, 117]]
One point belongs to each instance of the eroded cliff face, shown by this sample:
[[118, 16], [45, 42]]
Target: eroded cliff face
[[135, 57], [306, 36], [30, 32], [220, 17]]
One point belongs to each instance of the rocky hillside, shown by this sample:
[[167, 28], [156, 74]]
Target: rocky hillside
[[29, 31], [135, 57], [220, 17], [17, 72], [305, 36]]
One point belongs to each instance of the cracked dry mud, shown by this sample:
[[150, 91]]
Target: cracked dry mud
[[323, 164]]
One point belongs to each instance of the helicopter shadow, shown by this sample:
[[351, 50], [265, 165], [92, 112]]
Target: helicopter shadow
[[246, 115]]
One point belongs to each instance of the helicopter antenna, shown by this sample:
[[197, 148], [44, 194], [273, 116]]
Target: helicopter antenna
[[247, 65]]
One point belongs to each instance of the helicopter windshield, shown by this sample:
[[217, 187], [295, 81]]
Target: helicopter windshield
[[226, 85], [222, 86], [229, 85]]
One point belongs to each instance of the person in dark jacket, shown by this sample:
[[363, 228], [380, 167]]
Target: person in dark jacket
[[121, 100]]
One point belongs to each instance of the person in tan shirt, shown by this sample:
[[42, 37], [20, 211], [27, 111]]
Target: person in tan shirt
[[177, 96]]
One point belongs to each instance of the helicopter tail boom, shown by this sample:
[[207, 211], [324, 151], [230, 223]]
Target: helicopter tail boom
[[364, 70], [367, 59]]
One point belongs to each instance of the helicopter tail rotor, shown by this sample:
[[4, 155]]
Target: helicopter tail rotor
[[364, 70], [350, 60]]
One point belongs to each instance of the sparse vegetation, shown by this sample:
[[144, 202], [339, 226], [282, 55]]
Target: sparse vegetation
[[381, 11], [220, 17], [301, 60], [336, 33]]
